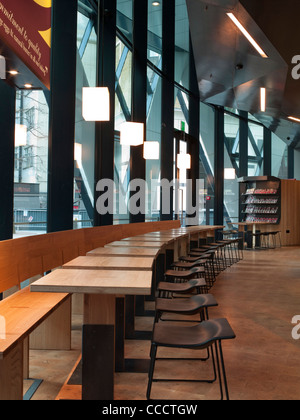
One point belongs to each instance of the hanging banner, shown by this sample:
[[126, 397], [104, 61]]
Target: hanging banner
[[25, 27]]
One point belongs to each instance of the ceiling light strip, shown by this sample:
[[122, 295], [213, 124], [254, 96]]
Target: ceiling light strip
[[263, 99], [247, 35], [294, 119]]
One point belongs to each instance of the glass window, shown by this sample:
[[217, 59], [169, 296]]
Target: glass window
[[279, 157], [121, 181], [181, 110], [123, 84], [153, 127], [207, 156], [31, 164], [89, 58], [182, 43], [124, 17], [84, 147], [155, 34], [231, 168], [255, 149]]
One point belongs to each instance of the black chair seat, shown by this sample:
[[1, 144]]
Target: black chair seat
[[186, 287], [185, 274], [186, 306], [188, 265], [205, 335], [190, 258], [199, 336]]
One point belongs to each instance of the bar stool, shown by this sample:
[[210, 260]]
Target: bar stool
[[199, 259], [167, 289], [184, 275], [274, 235], [265, 240], [210, 272], [208, 334], [185, 265], [213, 253], [257, 235], [185, 306]]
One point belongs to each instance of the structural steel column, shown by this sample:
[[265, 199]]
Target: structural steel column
[[7, 129], [139, 93], [291, 162], [267, 152], [106, 76], [167, 95], [243, 147], [194, 127], [219, 167], [62, 115]]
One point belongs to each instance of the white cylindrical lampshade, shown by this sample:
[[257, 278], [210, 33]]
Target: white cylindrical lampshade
[[132, 134], [229, 173], [20, 135], [151, 150], [95, 104], [184, 161]]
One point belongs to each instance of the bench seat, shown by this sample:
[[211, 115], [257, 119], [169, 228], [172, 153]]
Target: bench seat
[[22, 314]]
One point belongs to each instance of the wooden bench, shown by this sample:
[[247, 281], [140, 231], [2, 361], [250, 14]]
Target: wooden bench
[[31, 320], [20, 315]]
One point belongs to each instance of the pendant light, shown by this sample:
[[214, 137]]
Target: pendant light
[[151, 150], [184, 161], [20, 135], [95, 104], [131, 134], [229, 173]]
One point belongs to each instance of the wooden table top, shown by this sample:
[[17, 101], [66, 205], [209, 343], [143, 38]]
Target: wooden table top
[[252, 223], [126, 251], [164, 234], [145, 244], [110, 263], [113, 282], [161, 240]]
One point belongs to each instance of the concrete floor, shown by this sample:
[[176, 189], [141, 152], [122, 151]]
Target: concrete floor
[[259, 296]]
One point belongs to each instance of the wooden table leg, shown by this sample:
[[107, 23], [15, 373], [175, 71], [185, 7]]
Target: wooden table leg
[[98, 347], [253, 237]]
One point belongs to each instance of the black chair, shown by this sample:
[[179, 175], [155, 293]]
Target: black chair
[[185, 265], [208, 334], [168, 289], [184, 275], [274, 235], [197, 304]]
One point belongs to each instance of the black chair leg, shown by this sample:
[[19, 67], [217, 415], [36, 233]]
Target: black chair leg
[[153, 352], [221, 366]]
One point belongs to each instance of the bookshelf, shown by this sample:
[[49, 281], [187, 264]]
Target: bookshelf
[[260, 199], [274, 201]]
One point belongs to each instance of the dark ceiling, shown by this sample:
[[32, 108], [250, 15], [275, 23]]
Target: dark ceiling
[[231, 72]]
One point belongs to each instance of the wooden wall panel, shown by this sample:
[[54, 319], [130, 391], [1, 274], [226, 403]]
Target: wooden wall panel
[[24, 258], [290, 214]]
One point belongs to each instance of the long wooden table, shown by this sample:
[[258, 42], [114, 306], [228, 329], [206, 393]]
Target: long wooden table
[[100, 289], [111, 263], [125, 251], [135, 244], [102, 278]]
